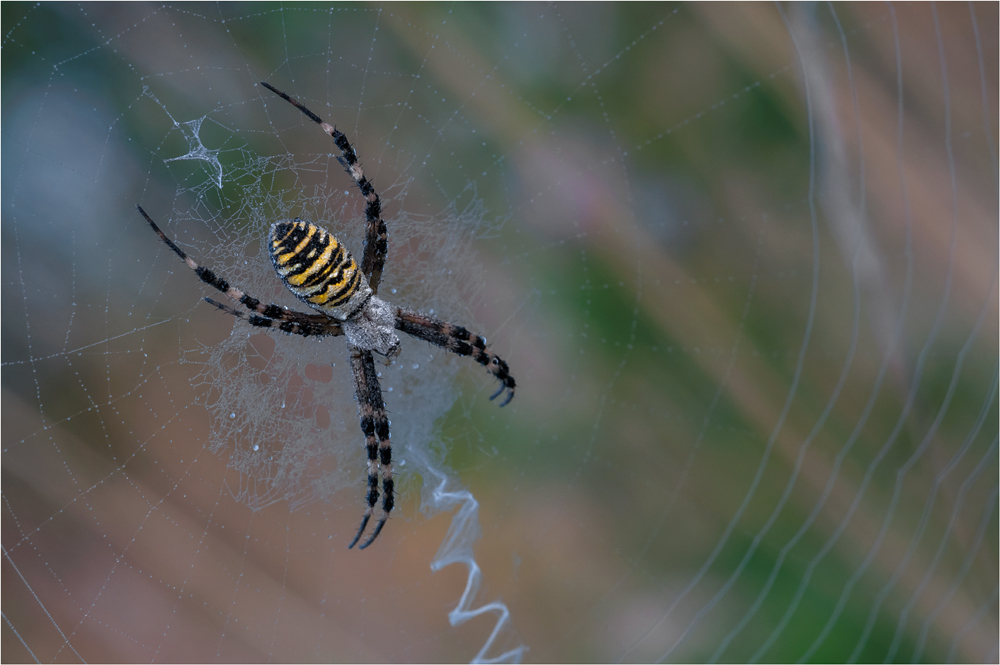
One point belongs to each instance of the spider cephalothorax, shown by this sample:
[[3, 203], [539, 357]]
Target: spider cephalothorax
[[321, 272]]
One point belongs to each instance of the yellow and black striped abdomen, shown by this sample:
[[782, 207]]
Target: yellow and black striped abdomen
[[317, 268]]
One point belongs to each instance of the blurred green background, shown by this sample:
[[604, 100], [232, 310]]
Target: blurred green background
[[741, 258]]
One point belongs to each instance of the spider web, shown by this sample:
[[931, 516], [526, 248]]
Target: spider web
[[742, 261]]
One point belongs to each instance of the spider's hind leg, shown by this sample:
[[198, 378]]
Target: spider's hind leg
[[376, 234], [307, 325], [206, 275]]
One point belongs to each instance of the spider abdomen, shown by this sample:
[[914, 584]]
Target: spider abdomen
[[317, 268]]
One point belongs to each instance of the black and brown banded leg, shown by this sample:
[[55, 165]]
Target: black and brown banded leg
[[375, 426], [270, 311], [307, 325], [376, 235], [458, 340]]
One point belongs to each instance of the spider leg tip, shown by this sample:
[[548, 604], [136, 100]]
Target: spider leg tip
[[361, 530], [143, 213], [378, 529], [508, 398]]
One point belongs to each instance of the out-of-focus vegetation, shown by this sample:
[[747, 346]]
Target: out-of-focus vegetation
[[742, 259]]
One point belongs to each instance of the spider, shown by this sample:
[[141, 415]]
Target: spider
[[323, 274]]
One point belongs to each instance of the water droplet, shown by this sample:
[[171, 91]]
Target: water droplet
[[232, 415], [256, 447], [416, 366]]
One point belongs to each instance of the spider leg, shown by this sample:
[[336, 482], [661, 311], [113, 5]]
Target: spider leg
[[375, 426], [271, 311], [376, 235], [307, 325], [460, 341]]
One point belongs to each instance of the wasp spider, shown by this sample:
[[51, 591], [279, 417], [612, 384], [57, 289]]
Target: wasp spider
[[319, 270]]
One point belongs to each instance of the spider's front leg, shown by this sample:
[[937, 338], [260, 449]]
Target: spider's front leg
[[460, 341], [375, 425]]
